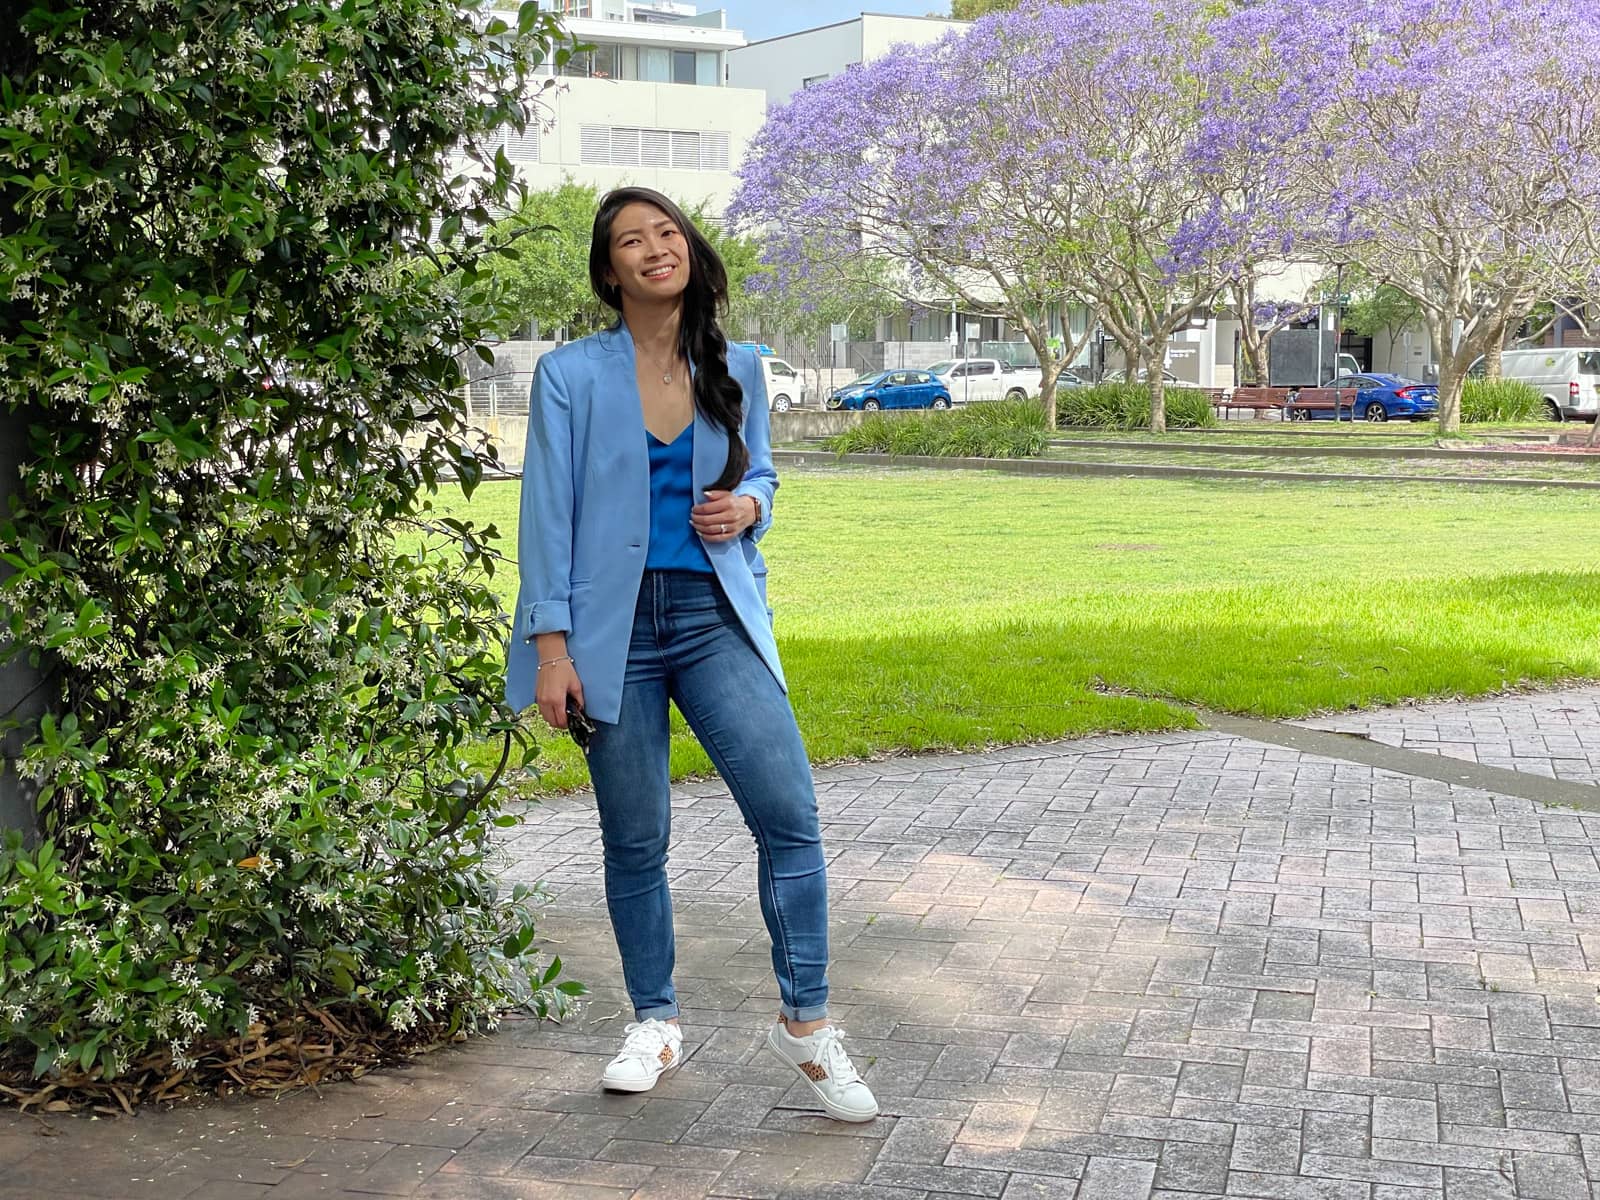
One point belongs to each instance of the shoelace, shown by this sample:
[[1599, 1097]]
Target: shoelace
[[831, 1055], [645, 1041]]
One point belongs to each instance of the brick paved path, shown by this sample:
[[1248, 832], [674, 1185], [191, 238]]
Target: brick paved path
[[1556, 735], [1172, 966]]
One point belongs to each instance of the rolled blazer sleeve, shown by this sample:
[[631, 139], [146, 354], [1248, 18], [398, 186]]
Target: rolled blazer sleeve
[[544, 531], [760, 478]]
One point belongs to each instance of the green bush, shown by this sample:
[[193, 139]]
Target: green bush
[[1500, 400], [1127, 406], [998, 429], [239, 268]]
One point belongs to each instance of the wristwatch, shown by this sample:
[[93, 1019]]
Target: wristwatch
[[757, 503]]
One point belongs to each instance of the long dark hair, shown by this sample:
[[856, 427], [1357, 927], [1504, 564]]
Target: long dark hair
[[717, 395]]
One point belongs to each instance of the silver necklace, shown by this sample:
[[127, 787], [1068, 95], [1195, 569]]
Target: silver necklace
[[666, 373]]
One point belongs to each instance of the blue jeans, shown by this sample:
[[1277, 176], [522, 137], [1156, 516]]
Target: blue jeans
[[688, 646]]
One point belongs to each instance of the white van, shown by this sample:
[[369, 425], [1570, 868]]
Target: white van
[[1567, 377], [786, 388]]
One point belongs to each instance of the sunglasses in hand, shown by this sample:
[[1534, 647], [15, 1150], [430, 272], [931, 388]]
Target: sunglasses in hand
[[579, 724]]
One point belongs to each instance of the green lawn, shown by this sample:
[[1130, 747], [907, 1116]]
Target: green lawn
[[1251, 430], [1268, 433], [1574, 467], [923, 609]]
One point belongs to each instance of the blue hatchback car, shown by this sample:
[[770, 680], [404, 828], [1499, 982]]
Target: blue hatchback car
[[891, 389], [1378, 398]]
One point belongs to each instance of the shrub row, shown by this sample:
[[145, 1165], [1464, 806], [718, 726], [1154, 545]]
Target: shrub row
[[1001, 429], [1500, 400], [1127, 406]]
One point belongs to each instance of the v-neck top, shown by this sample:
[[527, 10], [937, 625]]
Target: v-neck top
[[674, 545]]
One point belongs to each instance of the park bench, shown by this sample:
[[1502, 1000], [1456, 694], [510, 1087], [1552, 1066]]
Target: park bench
[[1256, 400], [1310, 400]]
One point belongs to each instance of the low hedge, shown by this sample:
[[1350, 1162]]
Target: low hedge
[[1500, 400], [997, 429], [1127, 406]]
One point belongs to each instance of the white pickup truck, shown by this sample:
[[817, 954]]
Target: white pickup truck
[[972, 379]]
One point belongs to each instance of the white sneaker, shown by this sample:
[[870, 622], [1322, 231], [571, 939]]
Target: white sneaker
[[651, 1048], [820, 1059]]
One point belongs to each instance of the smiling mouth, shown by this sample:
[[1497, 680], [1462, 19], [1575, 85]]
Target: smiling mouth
[[659, 272]]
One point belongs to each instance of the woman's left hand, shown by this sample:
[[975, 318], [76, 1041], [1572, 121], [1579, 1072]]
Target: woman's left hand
[[723, 517]]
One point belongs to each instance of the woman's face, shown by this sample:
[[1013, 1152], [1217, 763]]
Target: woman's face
[[649, 255]]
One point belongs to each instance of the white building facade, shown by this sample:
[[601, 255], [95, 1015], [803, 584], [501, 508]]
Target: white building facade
[[650, 104], [781, 66]]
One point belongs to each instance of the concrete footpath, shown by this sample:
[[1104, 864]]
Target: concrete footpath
[[1196, 964]]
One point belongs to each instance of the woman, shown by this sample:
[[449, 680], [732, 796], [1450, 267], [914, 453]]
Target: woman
[[646, 485]]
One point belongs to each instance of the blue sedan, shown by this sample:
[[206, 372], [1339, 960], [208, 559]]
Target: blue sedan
[[891, 389], [1380, 398]]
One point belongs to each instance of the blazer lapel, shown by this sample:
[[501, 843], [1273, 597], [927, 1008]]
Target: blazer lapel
[[625, 384], [710, 455], [710, 441]]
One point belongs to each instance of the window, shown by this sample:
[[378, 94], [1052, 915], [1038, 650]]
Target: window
[[813, 80], [705, 68], [655, 66], [683, 66], [1589, 363], [677, 149]]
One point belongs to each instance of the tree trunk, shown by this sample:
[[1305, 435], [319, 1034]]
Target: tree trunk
[[22, 685], [1047, 393], [1493, 362], [1049, 369], [1256, 348], [1154, 367], [1453, 366], [1255, 355], [1452, 381]]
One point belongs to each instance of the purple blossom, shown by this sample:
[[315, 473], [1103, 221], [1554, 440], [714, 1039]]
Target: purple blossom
[[1138, 155]]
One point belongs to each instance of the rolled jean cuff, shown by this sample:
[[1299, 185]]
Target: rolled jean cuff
[[812, 1012], [663, 1012]]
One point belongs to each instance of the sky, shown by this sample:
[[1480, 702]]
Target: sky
[[771, 18]]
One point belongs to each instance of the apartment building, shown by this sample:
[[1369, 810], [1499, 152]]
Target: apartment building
[[650, 104], [781, 66]]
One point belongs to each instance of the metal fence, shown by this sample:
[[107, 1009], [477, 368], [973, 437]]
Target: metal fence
[[499, 396]]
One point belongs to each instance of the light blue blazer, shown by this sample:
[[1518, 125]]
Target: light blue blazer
[[584, 528]]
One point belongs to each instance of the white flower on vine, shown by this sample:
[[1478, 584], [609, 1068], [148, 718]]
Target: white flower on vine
[[403, 1016]]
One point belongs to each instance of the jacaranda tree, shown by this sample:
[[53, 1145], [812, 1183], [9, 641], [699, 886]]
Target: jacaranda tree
[[1450, 148], [236, 271], [858, 177], [1050, 154]]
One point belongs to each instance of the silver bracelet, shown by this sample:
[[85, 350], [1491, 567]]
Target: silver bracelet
[[554, 662]]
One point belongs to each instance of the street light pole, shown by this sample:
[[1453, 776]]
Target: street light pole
[[22, 693], [1338, 300]]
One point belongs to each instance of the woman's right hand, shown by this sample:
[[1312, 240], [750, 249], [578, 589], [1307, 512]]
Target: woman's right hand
[[556, 683]]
